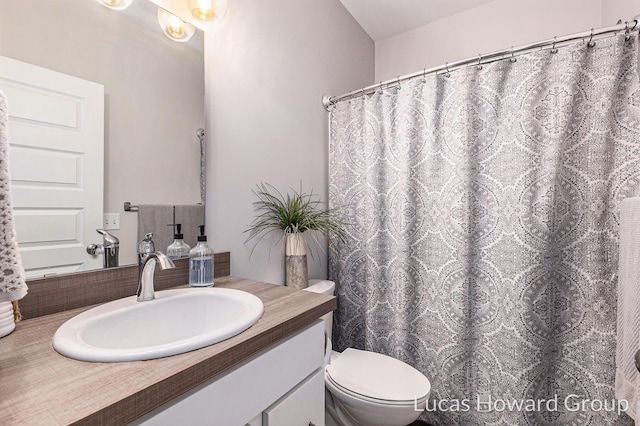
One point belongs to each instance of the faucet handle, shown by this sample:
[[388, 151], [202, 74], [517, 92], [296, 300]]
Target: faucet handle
[[108, 239], [146, 246]]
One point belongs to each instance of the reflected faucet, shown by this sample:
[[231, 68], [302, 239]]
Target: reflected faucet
[[109, 249], [147, 259]]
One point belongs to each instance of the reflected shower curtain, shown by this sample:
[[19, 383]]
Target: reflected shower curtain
[[482, 214]]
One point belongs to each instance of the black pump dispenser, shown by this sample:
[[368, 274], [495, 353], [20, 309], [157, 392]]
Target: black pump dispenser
[[201, 237], [178, 235]]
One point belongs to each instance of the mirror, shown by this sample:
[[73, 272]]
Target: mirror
[[153, 95]]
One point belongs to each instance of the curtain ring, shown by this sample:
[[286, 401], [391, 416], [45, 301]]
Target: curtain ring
[[627, 31], [479, 66], [591, 43], [381, 85], [553, 47], [398, 82], [362, 92], [513, 57], [448, 74], [424, 75]]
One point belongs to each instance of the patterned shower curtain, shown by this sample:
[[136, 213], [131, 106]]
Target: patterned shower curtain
[[481, 211]]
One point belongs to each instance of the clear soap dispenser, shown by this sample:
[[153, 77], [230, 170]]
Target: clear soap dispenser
[[201, 263], [178, 248]]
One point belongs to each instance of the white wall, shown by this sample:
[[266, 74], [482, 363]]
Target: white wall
[[491, 27], [266, 70], [154, 95], [612, 10]]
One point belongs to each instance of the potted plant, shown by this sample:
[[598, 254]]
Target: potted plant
[[299, 217]]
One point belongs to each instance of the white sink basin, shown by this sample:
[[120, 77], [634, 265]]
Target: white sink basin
[[177, 321]]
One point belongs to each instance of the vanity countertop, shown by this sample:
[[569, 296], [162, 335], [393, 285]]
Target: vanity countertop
[[40, 386]]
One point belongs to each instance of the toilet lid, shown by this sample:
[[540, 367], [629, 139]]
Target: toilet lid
[[377, 376]]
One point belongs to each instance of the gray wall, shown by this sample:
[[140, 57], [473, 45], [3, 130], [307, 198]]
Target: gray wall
[[266, 70]]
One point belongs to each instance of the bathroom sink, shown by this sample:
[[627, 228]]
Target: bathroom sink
[[176, 321]]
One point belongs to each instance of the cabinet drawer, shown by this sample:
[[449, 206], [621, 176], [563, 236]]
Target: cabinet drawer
[[303, 405]]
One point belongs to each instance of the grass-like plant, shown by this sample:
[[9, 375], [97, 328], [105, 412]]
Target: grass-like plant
[[291, 213]]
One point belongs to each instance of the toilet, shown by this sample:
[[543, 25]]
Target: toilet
[[365, 388]]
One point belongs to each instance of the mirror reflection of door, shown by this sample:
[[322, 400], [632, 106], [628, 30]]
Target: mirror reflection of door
[[56, 157]]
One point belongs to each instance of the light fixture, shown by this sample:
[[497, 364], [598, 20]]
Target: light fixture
[[173, 27], [207, 10], [116, 4]]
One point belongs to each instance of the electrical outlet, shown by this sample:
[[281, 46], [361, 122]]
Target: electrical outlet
[[111, 221]]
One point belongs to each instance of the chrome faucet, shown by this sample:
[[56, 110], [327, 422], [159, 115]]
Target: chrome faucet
[[111, 246], [147, 259], [109, 249]]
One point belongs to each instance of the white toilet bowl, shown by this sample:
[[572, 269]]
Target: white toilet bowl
[[366, 388]]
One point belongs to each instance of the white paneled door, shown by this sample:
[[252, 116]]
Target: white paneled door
[[56, 155]]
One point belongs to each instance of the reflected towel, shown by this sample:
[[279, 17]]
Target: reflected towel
[[12, 281], [627, 384], [154, 218]]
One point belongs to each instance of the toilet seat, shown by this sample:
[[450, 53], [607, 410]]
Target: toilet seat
[[377, 378], [336, 388]]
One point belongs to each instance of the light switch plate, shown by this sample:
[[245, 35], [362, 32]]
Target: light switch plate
[[111, 221]]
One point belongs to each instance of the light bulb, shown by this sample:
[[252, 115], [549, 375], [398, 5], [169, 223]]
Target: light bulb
[[202, 10], [173, 27], [116, 4], [208, 10], [175, 30]]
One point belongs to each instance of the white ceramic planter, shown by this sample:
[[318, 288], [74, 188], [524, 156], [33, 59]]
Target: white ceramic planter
[[7, 324]]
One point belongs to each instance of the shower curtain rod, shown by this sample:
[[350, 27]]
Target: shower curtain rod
[[479, 60]]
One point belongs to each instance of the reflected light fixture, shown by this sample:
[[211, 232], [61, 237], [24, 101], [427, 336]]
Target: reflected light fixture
[[116, 4], [207, 10], [173, 27]]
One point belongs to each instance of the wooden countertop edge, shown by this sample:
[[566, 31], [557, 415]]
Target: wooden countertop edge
[[286, 312]]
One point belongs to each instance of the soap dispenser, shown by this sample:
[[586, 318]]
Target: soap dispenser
[[201, 263], [178, 248]]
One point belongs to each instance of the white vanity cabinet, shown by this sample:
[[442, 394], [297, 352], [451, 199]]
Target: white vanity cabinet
[[281, 386]]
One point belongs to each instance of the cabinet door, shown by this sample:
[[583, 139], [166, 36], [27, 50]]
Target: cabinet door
[[302, 406]]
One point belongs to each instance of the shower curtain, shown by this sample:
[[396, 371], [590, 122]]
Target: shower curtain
[[481, 211]]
